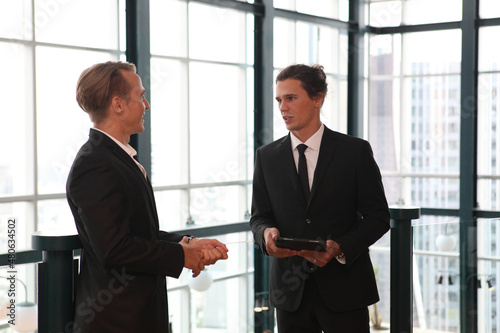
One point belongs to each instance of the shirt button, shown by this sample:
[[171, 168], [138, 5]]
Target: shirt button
[[308, 221]]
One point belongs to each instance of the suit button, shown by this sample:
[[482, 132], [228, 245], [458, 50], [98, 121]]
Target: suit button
[[308, 221]]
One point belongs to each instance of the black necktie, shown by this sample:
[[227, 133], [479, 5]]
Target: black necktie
[[304, 179]]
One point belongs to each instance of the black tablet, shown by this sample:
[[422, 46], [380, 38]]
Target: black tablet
[[300, 244]]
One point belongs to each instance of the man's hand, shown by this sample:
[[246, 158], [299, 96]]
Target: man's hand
[[212, 250], [199, 253], [270, 235], [193, 257], [322, 258]]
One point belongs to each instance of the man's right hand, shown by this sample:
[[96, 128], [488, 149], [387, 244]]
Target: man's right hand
[[270, 235], [193, 257], [201, 252]]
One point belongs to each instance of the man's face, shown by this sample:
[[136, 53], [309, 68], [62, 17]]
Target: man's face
[[298, 110], [136, 106]]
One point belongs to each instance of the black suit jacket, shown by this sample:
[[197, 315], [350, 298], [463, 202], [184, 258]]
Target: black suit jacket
[[125, 257], [347, 204]]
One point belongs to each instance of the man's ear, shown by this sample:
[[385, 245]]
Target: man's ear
[[117, 105], [318, 100]]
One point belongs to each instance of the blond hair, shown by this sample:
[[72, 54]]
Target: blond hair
[[97, 85]]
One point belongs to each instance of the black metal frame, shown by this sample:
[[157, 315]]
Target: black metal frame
[[468, 168], [138, 53]]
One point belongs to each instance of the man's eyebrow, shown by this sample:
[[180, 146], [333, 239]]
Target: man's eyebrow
[[286, 95]]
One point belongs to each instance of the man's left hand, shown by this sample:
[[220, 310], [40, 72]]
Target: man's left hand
[[321, 258], [212, 250]]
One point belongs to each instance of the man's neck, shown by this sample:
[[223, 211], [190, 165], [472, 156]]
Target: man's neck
[[305, 133], [113, 131]]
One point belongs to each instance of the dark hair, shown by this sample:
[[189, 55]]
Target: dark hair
[[312, 78], [97, 85]]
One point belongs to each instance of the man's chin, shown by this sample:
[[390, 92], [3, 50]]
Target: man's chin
[[138, 131]]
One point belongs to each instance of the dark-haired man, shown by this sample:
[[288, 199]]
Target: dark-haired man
[[340, 200]]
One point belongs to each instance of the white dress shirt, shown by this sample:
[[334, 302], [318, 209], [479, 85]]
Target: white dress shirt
[[312, 152]]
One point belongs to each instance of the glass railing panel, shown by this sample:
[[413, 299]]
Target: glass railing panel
[[18, 298], [488, 269], [221, 298]]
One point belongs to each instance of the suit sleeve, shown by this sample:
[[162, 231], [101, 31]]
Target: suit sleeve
[[262, 214], [111, 230], [373, 212], [170, 237]]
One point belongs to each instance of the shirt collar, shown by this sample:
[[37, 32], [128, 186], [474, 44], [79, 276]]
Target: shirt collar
[[314, 142], [128, 148]]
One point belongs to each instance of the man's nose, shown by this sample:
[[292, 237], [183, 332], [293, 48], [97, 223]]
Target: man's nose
[[282, 106]]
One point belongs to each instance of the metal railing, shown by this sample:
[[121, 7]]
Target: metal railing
[[58, 267]]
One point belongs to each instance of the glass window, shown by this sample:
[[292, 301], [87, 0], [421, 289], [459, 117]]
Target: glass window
[[17, 129], [165, 17], [217, 117], [336, 9], [55, 215], [327, 8], [201, 113], [431, 11], [425, 52], [385, 13], [389, 13], [385, 55], [16, 20], [169, 116], [333, 112], [489, 52], [216, 205], [488, 145], [78, 22], [172, 209], [489, 8], [384, 122], [227, 28], [67, 22], [23, 213], [302, 42], [284, 42], [56, 104], [385, 108], [414, 120], [45, 127]]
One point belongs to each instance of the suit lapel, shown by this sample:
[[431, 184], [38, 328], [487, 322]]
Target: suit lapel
[[286, 157], [145, 180], [99, 138], [135, 168], [326, 152]]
